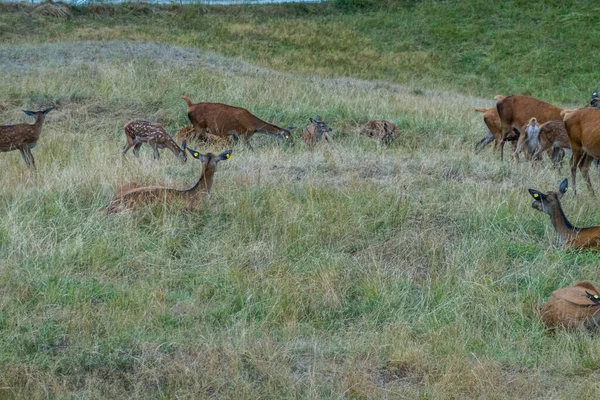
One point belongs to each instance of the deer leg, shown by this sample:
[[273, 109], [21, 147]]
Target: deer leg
[[575, 159], [126, 148], [155, 154], [584, 166], [247, 141], [30, 156], [24, 156], [136, 149], [484, 142]]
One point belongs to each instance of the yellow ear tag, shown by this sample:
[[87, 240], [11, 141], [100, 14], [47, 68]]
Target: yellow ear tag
[[228, 156], [535, 195], [195, 154], [566, 189], [595, 296]]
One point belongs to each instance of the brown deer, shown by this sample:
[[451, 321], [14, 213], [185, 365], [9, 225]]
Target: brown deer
[[23, 137], [583, 129], [516, 111], [570, 236], [551, 135], [229, 121], [130, 196], [139, 132], [315, 131], [380, 129], [573, 307]]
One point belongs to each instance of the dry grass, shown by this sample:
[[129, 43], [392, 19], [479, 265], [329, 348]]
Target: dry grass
[[350, 270]]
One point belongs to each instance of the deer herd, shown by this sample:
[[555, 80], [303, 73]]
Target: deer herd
[[533, 126]]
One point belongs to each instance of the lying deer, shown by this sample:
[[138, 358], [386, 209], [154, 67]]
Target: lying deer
[[571, 237], [229, 121], [130, 197], [23, 136], [315, 131], [139, 132], [380, 129], [189, 134]]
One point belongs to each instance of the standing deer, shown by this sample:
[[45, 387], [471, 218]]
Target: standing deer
[[23, 136], [516, 111], [139, 132], [315, 131], [570, 236], [551, 135], [130, 197], [229, 121]]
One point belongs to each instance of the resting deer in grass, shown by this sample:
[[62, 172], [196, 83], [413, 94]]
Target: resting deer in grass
[[380, 129], [229, 121], [139, 132], [571, 237], [189, 134], [23, 137], [130, 197], [315, 131]]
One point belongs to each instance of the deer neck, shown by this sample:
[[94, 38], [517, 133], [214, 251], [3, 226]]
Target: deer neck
[[37, 125], [561, 224], [203, 185], [268, 129]]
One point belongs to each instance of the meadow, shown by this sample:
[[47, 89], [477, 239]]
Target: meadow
[[351, 270]]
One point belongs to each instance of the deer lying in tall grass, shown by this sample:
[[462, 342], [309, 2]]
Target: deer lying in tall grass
[[571, 237], [188, 134], [130, 197], [139, 132], [315, 131], [380, 129], [231, 122], [573, 307], [23, 137]]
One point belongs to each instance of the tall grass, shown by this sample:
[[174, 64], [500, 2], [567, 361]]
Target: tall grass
[[354, 270], [351, 270]]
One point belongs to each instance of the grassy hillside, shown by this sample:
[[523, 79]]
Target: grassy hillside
[[353, 270], [548, 49]]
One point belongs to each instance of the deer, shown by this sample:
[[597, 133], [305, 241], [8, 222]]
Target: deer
[[573, 307], [570, 236], [315, 131], [130, 196], [493, 124], [230, 121], [551, 135], [23, 137], [583, 129], [380, 129], [188, 133], [516, 111], [139, 132]]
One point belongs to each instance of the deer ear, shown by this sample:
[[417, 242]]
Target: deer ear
[[226, 155], [537, 195], [30, 113], [195, 154], [564, 186], [184, 145], [47, 110]]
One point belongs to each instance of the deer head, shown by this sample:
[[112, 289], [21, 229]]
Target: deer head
[[545, 202]]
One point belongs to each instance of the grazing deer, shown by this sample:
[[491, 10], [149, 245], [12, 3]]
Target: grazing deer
[[380, 129], [229, 121], [23, 136], [516, 111], [139, 132], [570, 236], [130, 196], [315, 131]]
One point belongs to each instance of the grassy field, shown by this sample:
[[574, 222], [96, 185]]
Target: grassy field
[[353, 270]]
